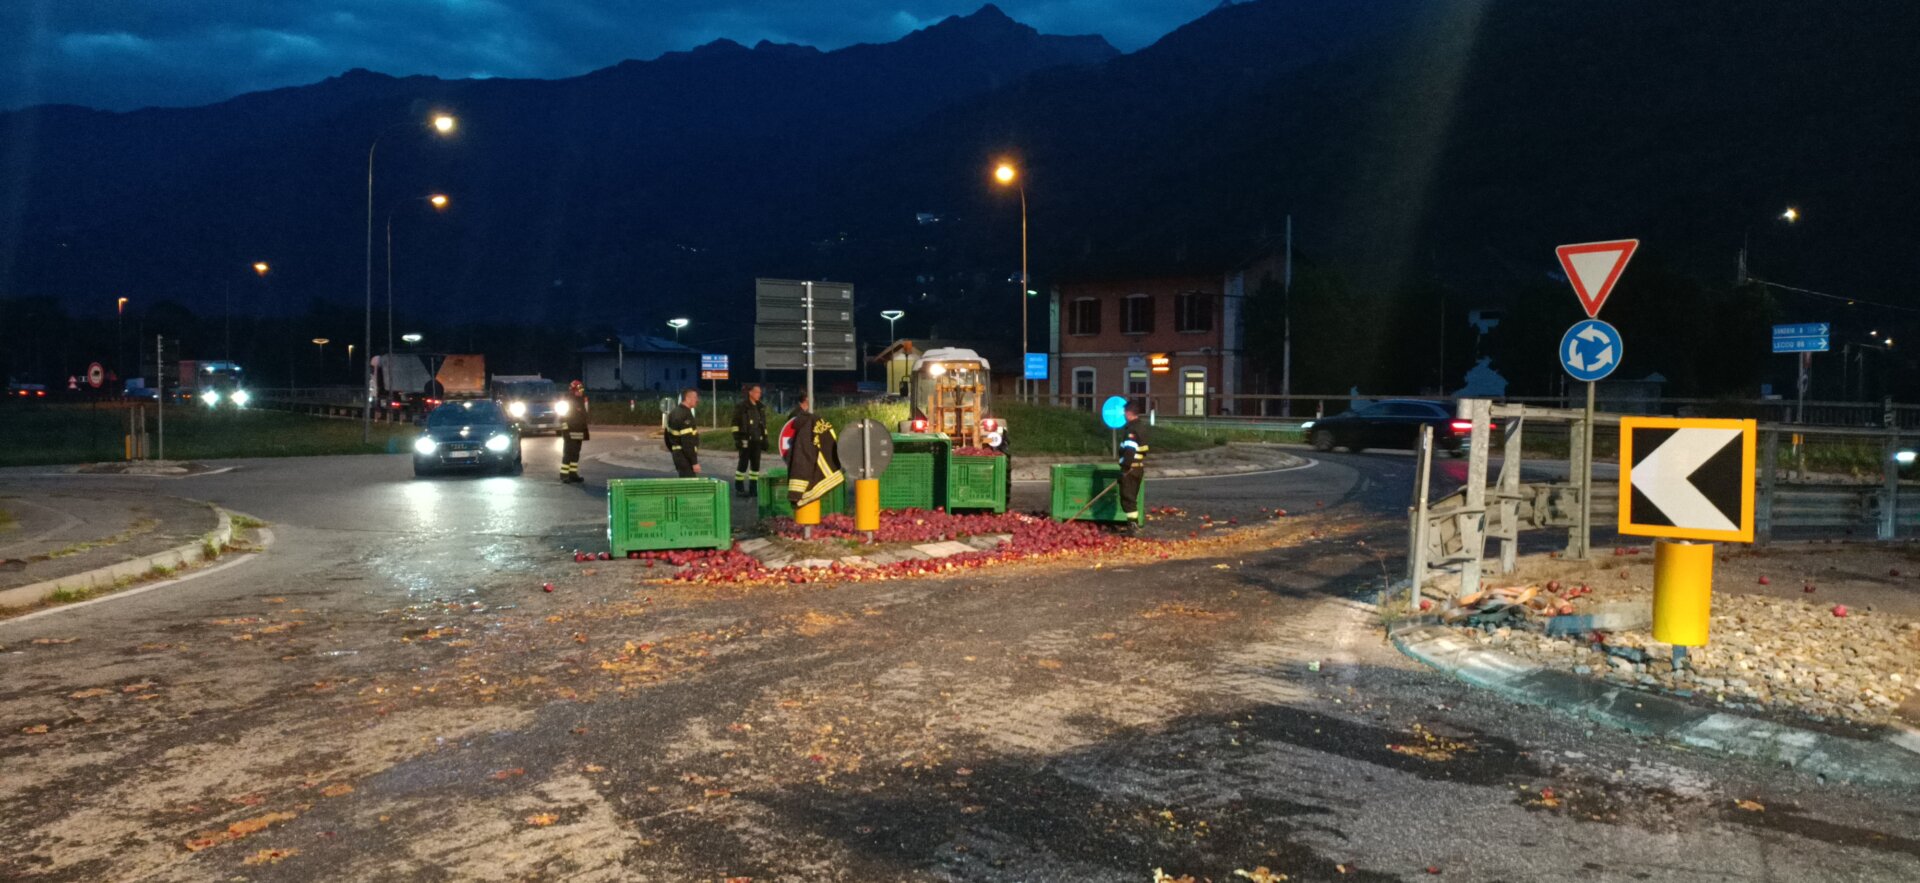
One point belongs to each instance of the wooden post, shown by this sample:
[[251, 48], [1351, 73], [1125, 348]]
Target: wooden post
[[1510, 496], [1417, 520], [1473, 518]]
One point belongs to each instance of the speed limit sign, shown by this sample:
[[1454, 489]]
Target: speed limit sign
[[96, 375]]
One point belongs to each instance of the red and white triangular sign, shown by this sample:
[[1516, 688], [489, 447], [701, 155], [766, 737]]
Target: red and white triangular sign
[[1593, 268]]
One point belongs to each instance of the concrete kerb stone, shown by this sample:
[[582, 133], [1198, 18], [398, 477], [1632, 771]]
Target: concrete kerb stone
[[1893, 760], [171, 559]]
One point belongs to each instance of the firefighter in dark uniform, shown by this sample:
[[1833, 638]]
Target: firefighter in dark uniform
[[575, 433], [1133, 462], [749, 438], [683, 437]]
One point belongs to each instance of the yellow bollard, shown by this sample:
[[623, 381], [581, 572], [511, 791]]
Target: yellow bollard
[[1682, 592], [866, 504], [807, 515]]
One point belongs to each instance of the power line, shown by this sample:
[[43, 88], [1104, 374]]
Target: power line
[[1849, 301]]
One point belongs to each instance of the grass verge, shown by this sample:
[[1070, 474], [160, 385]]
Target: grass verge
[[41, 435]]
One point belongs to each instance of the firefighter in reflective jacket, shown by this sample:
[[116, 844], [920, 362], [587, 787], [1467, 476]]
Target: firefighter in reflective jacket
[[575, 432], [749, 438], [683, 438], [1133, 462]]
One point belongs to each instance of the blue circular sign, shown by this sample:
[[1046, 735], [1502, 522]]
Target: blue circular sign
[[1590, 350], [1113, 412]]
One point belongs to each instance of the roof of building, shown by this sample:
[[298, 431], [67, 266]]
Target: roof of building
[[641, 344], [993, 351]]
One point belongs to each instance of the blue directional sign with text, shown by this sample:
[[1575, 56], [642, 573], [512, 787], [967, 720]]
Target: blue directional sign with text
[[1806, 337], [1590, 350], [1036, 366]]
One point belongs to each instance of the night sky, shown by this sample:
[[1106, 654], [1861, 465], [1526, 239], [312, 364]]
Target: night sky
[[123, 54]]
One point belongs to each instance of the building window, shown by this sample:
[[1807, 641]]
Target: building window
[[1083, 388], [1193, 392], [1136, 314], [1193, 312], [1083, 316], [1136, 383]]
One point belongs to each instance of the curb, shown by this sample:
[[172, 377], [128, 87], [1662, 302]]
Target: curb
[[175, 558], [1892, 760]]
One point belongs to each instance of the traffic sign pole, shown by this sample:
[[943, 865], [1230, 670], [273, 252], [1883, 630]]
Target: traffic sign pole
[[1586, 479], [809, 305]]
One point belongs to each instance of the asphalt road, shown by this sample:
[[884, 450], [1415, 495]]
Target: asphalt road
[[388, 694]]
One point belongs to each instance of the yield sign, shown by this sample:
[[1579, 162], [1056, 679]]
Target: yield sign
[[1689, 479], [1593, 268]]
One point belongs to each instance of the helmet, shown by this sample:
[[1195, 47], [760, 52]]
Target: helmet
[[574, 386]]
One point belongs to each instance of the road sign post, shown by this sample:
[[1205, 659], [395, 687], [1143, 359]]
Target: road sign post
[[1684, 480], [1590, 350], [865, 450], [803, 325]]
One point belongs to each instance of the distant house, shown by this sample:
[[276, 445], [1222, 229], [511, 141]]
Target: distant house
[[1108, 333], [639, 362]]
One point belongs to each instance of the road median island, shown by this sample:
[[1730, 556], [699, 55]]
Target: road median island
[[1813, 654], [149, 549]]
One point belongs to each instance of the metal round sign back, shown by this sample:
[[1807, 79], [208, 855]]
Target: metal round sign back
[[865, 449]]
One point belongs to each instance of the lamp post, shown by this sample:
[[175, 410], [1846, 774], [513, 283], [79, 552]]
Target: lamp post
[[891, 316], [1006, 174], [442, 124], [321, 344], [439, 202], [1789, 216], [676, 325]]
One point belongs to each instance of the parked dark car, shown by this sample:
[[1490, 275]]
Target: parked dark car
[[1390, 424], [472, 435]]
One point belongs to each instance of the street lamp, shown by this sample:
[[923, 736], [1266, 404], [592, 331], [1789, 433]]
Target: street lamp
[[443, 124], [439, 203], [891, 316], [676, 325], [260, 268], [1007, 175], [1790, 215], [411, 338], [321, 344]]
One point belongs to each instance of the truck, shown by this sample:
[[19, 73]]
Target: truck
[[215, 383], [415, 383], [534, 402]]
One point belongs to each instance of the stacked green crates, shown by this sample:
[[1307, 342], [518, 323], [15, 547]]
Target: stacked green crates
[[1076, 483], [773, 496], [976, 481], [647, 514]]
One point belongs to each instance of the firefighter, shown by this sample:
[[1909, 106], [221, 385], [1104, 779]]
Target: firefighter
[[749, 438], [813, 464], [576, 434], [683, 437], [1133, 462]]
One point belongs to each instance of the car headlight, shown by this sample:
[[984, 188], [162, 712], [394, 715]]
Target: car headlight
[[1307, 425], [517, 409], [562, 407], [498, 444], [425, 445], [240, 397], [210, 397]]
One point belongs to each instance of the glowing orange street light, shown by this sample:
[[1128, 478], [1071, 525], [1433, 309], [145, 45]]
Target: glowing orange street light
[[1007, 175], [439, 200], [120, 307]]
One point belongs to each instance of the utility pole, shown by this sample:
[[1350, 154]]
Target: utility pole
[[1286, 346]]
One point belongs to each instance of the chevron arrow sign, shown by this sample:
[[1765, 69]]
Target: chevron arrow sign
[[1688, 479]]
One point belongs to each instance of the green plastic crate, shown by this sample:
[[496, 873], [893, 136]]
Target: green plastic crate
[[773, 496], [646, 514], [975, 481], [908, 482], [1075, 483]]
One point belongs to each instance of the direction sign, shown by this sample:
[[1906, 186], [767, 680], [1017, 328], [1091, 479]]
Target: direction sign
[[1036, 366], [1807, 337], [865, 449], [1590, 350], [713, 366], [780, 331], [96, 375], [1113, 412], [1594, 267], [1687, 478]]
